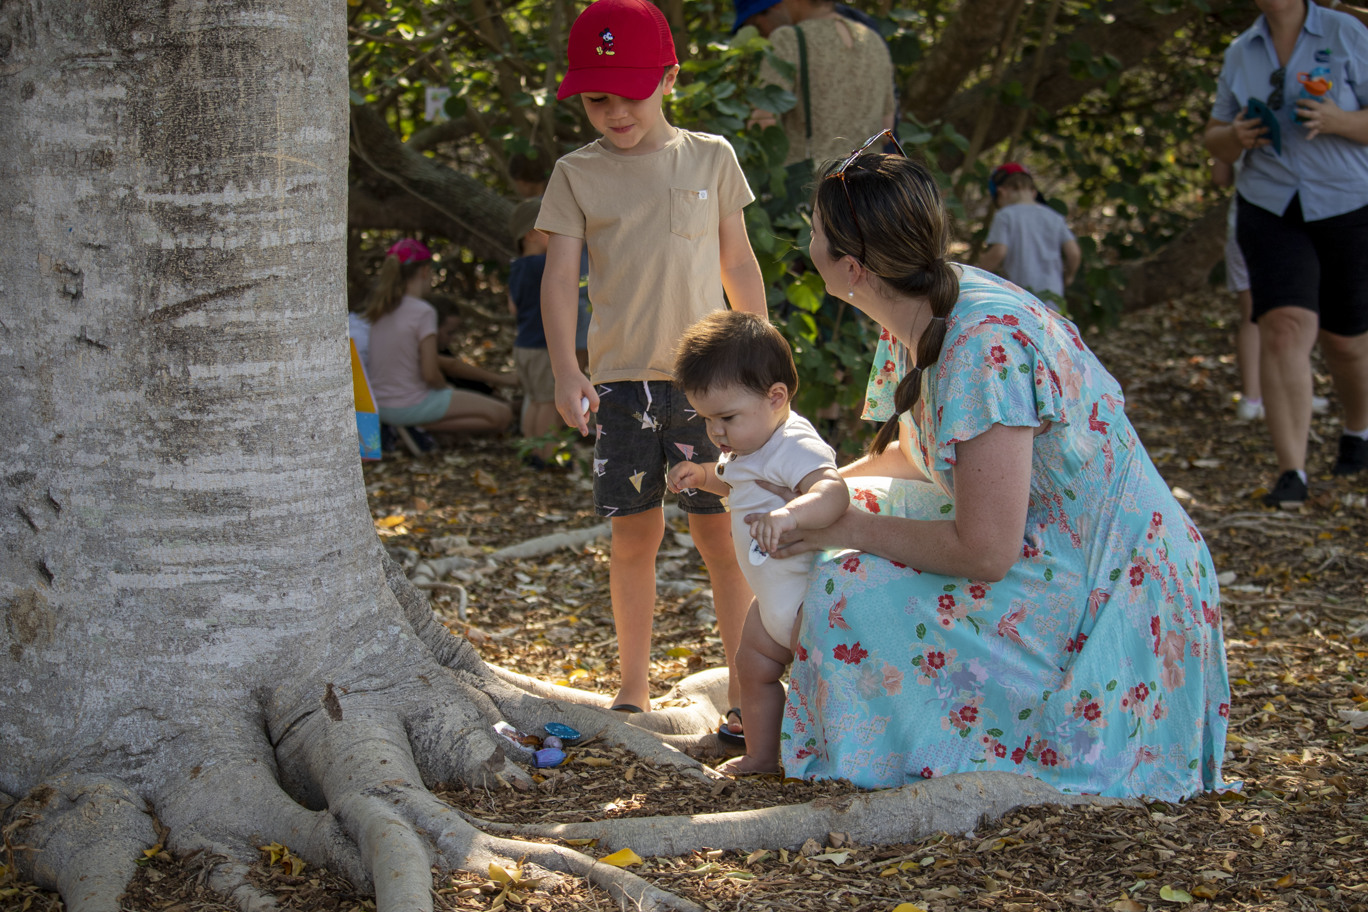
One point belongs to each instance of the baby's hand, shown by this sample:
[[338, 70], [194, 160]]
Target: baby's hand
[[767, 528], [685, 476]]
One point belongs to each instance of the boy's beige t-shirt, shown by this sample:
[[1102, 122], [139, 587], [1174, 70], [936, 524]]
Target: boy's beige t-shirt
[[650, 225]]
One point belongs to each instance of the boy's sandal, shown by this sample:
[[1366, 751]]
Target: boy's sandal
[[626, 708], [724, 732]]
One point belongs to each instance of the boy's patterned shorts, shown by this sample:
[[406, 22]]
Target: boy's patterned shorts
[[644, 427]]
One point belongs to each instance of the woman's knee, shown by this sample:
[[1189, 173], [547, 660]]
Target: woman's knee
[[1288, 330]]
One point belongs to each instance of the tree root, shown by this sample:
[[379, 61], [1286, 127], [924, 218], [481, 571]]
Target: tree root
[[249, 809], [949, 804], [463, 846], [576, 538], [56, 846]]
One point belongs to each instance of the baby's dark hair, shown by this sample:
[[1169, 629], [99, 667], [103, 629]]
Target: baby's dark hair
[[732, 348]]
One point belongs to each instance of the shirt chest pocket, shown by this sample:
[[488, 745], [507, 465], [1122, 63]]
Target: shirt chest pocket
[[690, 212]]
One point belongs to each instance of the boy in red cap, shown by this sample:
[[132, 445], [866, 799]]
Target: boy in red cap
[[1029, 242], [660, 211]]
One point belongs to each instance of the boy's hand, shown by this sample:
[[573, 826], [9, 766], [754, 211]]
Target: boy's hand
[[766, 528], [570, 398], [685, 476]]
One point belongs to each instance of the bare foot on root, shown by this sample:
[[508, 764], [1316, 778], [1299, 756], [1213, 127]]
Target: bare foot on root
[[746, 766]]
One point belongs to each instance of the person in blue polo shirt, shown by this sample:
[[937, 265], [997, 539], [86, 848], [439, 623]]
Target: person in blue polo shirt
[[1302, 216]]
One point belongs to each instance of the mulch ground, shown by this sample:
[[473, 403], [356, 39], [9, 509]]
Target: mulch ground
[[1295, 596]]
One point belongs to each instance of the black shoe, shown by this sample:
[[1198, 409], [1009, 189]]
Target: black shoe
[[1289, 493], [1353, 456]]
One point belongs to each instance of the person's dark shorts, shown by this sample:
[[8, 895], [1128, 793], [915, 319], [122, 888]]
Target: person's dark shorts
[[1321, 266], [644, 428]]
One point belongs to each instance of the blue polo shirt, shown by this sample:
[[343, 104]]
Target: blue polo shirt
[[1329, 172]]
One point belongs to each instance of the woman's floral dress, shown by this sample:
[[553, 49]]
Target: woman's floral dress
[[1096, 665]]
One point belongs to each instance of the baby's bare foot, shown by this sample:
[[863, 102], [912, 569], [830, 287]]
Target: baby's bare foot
[[746, 766]]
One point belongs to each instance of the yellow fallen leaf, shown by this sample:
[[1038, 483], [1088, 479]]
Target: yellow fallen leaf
[[498, 874], [909, 907], [711, 867], [389, 522], [1126, 904], [622, 858], [679, 652], [1205, 891], [578, 674], [1174, 895], [1287, 880], [580, 842]]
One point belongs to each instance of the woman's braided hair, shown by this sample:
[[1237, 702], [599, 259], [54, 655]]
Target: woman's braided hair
[[906, 231]]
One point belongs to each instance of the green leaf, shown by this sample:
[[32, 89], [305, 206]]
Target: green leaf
[[1024, 715], [1174, 895], [921, 631]]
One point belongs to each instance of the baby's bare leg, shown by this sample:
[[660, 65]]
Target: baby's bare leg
[[760, 664]]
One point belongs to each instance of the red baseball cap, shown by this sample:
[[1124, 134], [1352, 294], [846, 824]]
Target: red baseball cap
[[1001, 173], [620, 47]]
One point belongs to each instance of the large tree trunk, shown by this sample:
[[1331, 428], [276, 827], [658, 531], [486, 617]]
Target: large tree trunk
[[198, 619]]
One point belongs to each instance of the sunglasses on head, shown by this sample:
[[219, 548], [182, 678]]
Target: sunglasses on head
[[840, 172]]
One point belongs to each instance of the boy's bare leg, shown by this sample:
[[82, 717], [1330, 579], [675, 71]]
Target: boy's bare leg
[[760, 664], [731, 593], [631, 582]]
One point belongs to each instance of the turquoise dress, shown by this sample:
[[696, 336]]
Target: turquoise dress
[[1096, 665]]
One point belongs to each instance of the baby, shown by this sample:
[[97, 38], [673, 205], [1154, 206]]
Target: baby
[[737, 371]]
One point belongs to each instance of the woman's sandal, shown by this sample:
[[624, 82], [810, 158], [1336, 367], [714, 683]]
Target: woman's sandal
[[724, 732]]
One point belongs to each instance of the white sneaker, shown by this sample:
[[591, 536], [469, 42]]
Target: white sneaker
[[1249, 409], [1319, 405]]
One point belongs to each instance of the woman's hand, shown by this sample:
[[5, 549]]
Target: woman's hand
[[805, 541], [1321, 115], [1250, 131]]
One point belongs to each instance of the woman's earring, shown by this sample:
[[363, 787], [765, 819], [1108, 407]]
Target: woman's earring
[[850, 293]]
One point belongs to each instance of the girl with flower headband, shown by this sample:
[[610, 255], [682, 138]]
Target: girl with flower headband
[[1013, 573], [405, 370]]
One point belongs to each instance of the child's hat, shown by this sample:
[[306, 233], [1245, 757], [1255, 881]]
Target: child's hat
[[1001, 173], [524, 218], [620, 47], [409, 251]]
